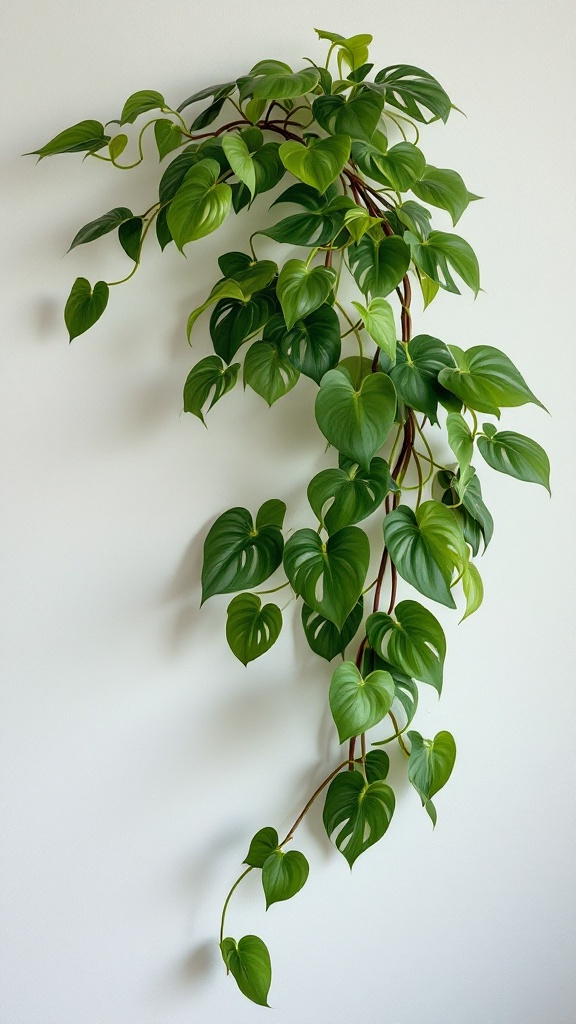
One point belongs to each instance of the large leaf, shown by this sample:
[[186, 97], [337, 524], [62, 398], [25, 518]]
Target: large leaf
[[357, 813], [413, 641], [313, 344], [426, 547], [209, 375], [285, 86], [358, 703], [250, 629], [268, 371], [233, 321], [401, 166], [357, 116], [85, 306], [140, 103], [486, 380], [439, 252], [356, 421], [322, 219], [200, 205], [322, 635], [102, 225], [414, 91], [378, 318], [319, 162], [430, 766], [379, 264], [301, 289], [328, 575], [249, 964], [268, 169], [416, 372], [344, 496], [283, 875], [239, 555], [515, 454], [84, 137], [176, 171], [444, 188]]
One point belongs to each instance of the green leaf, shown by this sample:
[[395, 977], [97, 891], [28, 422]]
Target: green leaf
[[344, 496], [414, 91], [85, 306], [249, 964], [516, 455], [444, 188], [406, 690], [378, 318], [262, 845], [162, 230], [250, 629], [102, 225], [430, 766], [208, 115], [241, 160], [285, 85], [283, 875], [358, 222], [322, 635], [268, 371], [473, 589], [269, 170], [416, 373], [222, 89], [377, 765], [435, 255], [486, 380], [200, 204], [356, 421], [233, 321], [130, 237], [357, 116], [226, 289], [354, 49], [401, 167], [461, 442], [176, 171], [84, 137], [168, 137], [301, 289], [313, 345], [414, 641], [238, 555], [319, 162], [358, 812], [117, 145], [254, 110], [209, 375], [378, 265], [329, 576], [357, 703], [417, 219], [139, 103], [426, 547], [429, 288], [473, 505], [321, 222]]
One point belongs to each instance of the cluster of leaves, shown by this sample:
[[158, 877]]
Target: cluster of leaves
[[359, 203]]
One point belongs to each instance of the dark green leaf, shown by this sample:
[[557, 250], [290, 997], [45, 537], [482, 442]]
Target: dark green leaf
[[414, 91], [130, 237], [416, 218], [301, 289], [319, 162], [413, 641], [262, 845], [486, 380], [283, 875], [250, 629], [168, 137], [249, 964], [329, 575], [474, 507], [222, 89], [379, 264], [200, 205], [430, 766], [102, 225], [207, 116], [84, 137], [377, 765], [344, 496], [356, 117], [444, 188], [176, 171], [209, 375], [139, 103], [85, 306], [313, 345], [515, 454], [358, 812], [162, 230], [233, 321], [238, 555], [438, 252], [415, 374], [356, 421], [322, 635], [358, 703], [268, 371], [426, 547], [406, 690]]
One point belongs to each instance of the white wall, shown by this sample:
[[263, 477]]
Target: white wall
[[138, 756]]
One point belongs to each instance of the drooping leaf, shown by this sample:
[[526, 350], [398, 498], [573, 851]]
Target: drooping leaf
[[356, 421], [168, 137], [200, 205], [473, 505], [358, 703], [84, 306], [210, 375], [378, 318], [461, 443], [516, 455], [251, 629], [269, 170], [249, 964], [222, 89], [344, 496], [357, 813], [379, 264], [319, 162], [84, 137], [261, 846], [430, 766], [139, 103], [406, 690], [322, 635], [226, 289], [241, 160], [301, 289], [207, 116], [357, 116], [413, 641], [321, 221], [283, 875], [416, 373], [130, 237], [268, 371], [473, 589], [440, 252], [234, 321], [426, 547], [239, 555], [485, 379], [414, 91], [444, 188], [417, 219], [328, 575], [117, 145], [176, 171], [101, 226]]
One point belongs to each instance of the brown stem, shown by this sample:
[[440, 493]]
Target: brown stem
[[311, 801], [351, 752]]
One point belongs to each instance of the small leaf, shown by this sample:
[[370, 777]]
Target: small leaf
[[262, 845], [130, 237], [301, 290], [249, 964], [268, 371], [238, 555], [516, 455], [473, 589], [241, 160], [357, 703], [356, 421], [357, 813], [101, 226], [85, 306], [358, 222], [329, 576], [209, 375], [283, 875], [413, 642], [377, 765], [378, 319], [430, 766], [168, 137], [460, 441], [117, 145], [139, 103], [319, 162], [322, 635], [250, 629]]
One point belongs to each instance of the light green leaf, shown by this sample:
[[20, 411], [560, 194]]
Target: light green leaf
[[356, 421], [209, 375], [238, 555], [250, 629], [262, 845], [101, 226], [516, 455], [85, 306], [357, 703], [285, 85], [319, 162], [402, 166], [439, 252], [200, 205], [473, 589], [328, 575], [117, 145], [344, 496], [429, 288], [322, 635], [241, 160], [461, 443], [413, 641], [354, 49], [378, 319], [486, 380], [301, 289], [249, 964], [139, 103], [358, 222], [379, 264], [254, 110], [283, 875], [444, 188], [414, 91], [168, 137], [357, 813], [268, 371], [430, 766], [426, 547], [84, 137]]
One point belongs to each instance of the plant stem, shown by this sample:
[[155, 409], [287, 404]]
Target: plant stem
[[227, 901]]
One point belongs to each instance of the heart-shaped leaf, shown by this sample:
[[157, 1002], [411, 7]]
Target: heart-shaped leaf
[[268, 371], [322, 635], [486, 380], [234, 321], [413, 641], [250, 629], [84, 306], [313, 345], [357, 813], [516, 455], [139, 103], [302, 289], [344, 496], [358, 703], [261, 846], [416, 373], [319, 163], [283, 875], [249, 964], [357, 116], [430, 766], [426, 547], [168, 137], [239, 555], [241, 160], [209, 375], [379, 264], [200, 205], [401, 166], [329, 575], [444, 188], [356, 421], [378, 319], [130, 237]]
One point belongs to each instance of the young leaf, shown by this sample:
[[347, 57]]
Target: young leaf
[[444, 188], [249, 964], [241, 161], [439, 252], [430, 766], [250, 629], [356, 421], [168, 137], [117, 145], [139, 103], [378, 319], [301, 289], [85, 306], [268, 371], [473, 589], [460, 441], [515, 454], [101, 226], [329, 576], [283, 875], [322, 635], [377, 765], [209, 375], [344, 496], [84, 137], [379, 264], [426, 547], [401, 167], [238, 555], [358, 703], [357, 813], [200, 204], [319, 162], [353, 49], [486, 380], [262, 845], [413, 642], [358, 222]]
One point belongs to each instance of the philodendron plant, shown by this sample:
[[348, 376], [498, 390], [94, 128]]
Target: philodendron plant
[[353, 204]]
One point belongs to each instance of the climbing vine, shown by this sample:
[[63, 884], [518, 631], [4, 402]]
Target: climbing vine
[[359, 207]]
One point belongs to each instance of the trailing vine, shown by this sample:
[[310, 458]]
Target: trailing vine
[[329, 130]]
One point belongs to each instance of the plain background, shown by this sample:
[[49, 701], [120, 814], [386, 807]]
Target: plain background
[[138, 756]]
